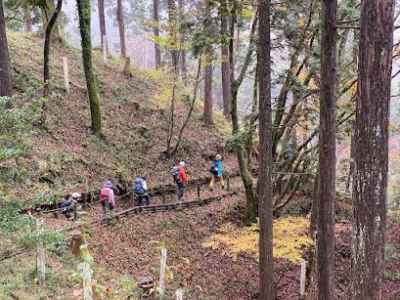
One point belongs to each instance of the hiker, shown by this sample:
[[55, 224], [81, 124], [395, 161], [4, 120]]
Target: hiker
[[217, 171], [180, 179], [68, 204], [107, 198], [140, 191]]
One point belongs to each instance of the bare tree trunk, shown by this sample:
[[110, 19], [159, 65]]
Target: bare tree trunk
[[182, 32], [208, 68], [208, 94], [327, 154], [225, 65], [84, 26], [46, 49], [156, 29], [264, 185], [27, 19], [191, 108], [173, 31], [102, 25], [121, 27], [251, 197], [5, 73], [371, 148]]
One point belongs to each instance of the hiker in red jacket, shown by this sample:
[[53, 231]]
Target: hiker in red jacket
[[180, 179]]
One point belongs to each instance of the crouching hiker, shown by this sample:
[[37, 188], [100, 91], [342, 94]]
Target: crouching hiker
[[141, 196], [107, 198], [217, 171], [180, 178], [68, 205]]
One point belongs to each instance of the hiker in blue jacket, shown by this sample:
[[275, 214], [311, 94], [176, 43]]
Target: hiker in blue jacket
[[217, 171], [140, 191]]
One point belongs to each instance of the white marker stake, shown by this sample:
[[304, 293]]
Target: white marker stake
[[179, 294], [40, 254], [66, 73], [87, 281], [302, 278], [163, 265]]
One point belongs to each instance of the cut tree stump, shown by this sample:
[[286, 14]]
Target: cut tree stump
[[76, 242]]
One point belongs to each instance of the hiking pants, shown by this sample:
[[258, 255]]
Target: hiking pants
[[106, 206], [180, 191], [215, 179], [143, 199]]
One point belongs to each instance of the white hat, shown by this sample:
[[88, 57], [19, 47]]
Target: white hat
[[218, 157], [76, 195], [182, 163]]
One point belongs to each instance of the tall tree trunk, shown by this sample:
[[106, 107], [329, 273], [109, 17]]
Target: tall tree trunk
[[86, 43], [121, 27], [265, 133], [27, 19], [208, 94], [5, 73], [102, 25], [225, 65], [182, 32], [208, 67], [371, 148], [156, 20], [173, 32], [327, 154], [251, 197], [46, 49]]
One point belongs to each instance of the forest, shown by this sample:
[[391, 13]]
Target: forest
[[202, 149]]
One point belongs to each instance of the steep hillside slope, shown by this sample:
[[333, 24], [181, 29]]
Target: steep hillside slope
[[63, 156]]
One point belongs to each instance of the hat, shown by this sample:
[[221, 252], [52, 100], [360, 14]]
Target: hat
[[76, 195], [218, 157], [108, 184], [182, 163]]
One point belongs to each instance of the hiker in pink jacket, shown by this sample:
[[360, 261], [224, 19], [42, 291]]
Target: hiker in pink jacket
[[107, 198]]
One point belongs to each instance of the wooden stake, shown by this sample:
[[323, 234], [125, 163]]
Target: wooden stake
[[163, 265], [127, 66], [87, 281], [104, 49], [66, 74], [303, 264], [86, 271], [40, 254], [179, 294]]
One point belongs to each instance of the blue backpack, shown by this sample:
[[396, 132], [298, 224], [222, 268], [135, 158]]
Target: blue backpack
[[175, 175], [138, 188]]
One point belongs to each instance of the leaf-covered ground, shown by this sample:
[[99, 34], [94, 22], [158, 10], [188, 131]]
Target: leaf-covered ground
[[63, 156]]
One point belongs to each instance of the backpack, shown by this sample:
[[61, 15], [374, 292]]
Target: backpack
[[104, 195], [138, 188], [175, 174], [214, 169]]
